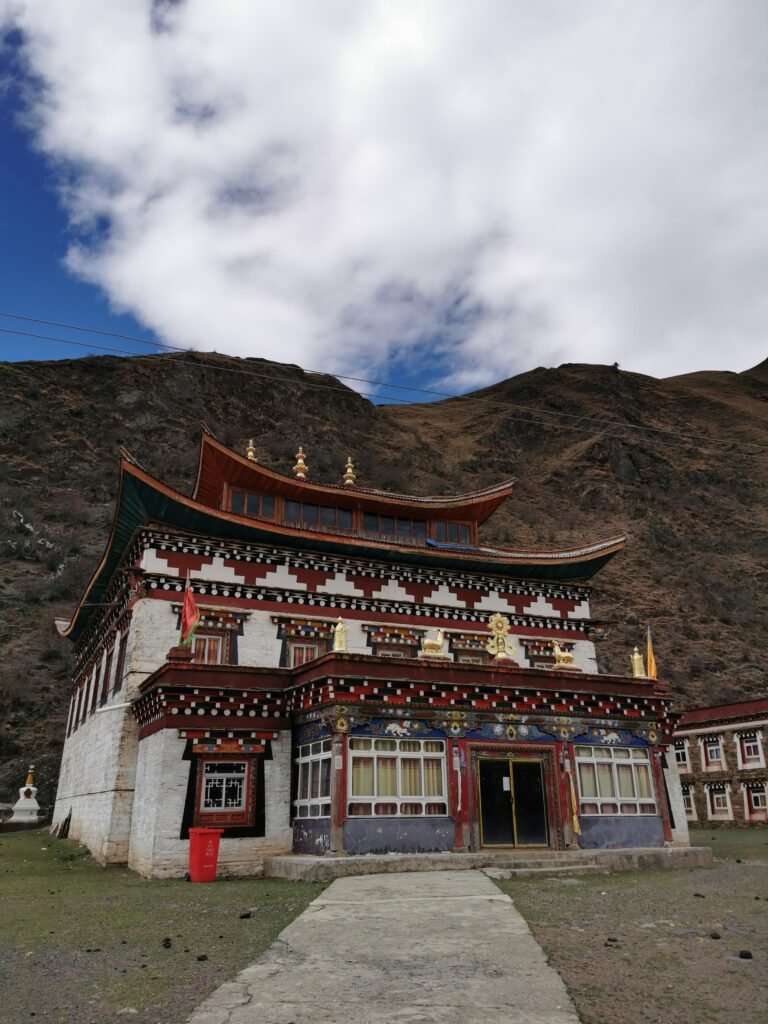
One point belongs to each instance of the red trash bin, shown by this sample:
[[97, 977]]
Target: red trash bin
[[203, 853]]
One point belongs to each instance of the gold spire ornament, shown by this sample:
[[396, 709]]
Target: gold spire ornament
[[301, 468], [500, 645], [30, 776], [250, 452], [349, 473], [638, 668]]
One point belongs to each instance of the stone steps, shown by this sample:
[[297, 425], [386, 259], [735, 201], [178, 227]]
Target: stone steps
[[515, 863]]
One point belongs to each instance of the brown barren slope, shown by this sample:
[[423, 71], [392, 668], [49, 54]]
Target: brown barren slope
[[680, 465]]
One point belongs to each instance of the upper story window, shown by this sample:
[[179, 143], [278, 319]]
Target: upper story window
[[712, 754], [249, 504], [453, 533], [749, 750], [681, 755], [210, 649], [394, 526], [308, 514], [299, 653]]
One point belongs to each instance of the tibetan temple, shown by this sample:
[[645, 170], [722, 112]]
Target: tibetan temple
[[365, 676]]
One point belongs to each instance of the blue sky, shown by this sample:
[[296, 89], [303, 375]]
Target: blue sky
[[442, 197], [34, 234]]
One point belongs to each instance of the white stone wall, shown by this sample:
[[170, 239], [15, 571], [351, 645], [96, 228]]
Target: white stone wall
[[680, 836], [162, 778], [96, 782]]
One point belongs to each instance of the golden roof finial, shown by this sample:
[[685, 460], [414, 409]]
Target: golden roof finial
[[30, 776], [250, 452], [301, 468], [349, 473]]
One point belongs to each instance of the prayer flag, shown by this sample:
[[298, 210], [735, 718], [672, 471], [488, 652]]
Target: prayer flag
[[190, 616], [650, 661]]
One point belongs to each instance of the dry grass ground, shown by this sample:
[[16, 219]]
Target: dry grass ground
[[643, 946], [80, 944]]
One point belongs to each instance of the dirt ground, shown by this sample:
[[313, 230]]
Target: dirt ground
[[83, 945], [661, 947]]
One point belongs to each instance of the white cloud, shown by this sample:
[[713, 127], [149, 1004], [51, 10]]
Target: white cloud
[[337, 183]]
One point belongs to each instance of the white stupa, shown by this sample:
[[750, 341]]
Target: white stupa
[[26, 807]]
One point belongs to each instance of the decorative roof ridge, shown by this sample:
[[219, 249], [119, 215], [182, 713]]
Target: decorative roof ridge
[[208, 439]]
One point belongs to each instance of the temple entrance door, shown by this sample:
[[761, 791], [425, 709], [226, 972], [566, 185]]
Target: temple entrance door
[[513, 806]]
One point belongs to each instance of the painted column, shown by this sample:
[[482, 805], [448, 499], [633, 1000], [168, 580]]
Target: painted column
[[338, 792]]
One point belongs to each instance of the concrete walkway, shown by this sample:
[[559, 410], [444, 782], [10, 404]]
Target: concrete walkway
[[422, 948]]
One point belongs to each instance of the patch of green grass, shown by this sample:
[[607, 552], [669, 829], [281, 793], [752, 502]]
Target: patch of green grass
[[82, 942]]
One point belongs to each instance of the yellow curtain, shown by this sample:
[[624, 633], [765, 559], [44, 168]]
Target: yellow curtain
[[626, 785], [362, 776], [644, 790], [587, 783], [410, 770], [605, 780], [386, 776], [433, 778]]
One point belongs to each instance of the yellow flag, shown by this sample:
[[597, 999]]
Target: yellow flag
[[650, 661]]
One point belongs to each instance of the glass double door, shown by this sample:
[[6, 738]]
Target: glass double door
[[513, 805]]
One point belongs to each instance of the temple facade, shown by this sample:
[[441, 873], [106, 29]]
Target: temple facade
[[366, 676]]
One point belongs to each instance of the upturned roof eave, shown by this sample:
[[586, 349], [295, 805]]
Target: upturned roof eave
[[144, 501], [211, 476]]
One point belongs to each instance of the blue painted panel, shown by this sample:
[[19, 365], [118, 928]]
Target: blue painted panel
[[312, 835], [398, 835], [619, 831]]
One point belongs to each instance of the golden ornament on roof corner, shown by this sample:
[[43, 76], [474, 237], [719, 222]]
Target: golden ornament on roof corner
[[250, 452], [301, 468], [349, 473], [638, 668], [500, 646]]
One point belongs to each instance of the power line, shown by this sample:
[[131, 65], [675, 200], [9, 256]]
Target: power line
[[392, 399], [361, 380]]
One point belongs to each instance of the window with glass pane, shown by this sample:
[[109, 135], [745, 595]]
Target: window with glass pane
[[223, 786], [615, 780], [209, 649], [313, 780], [396, 777]]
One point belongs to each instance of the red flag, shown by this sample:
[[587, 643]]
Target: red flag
[[190, 616]]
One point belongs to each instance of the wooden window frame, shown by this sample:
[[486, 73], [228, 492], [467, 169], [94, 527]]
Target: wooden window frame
[[311, 763], [399, 805], [221, 817], [205, 636], [611, 805]]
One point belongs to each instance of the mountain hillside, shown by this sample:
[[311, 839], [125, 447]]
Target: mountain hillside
[[680, 465]]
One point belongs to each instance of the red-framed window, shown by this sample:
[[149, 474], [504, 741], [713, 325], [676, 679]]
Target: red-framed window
[[250, 504], [452, 533], [211, 648], [302, 651], [226, 788]]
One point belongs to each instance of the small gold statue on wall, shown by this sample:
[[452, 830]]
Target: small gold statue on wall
[[638, 668], [339, 635], [563, 658], [500, 645], [432, 647]]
